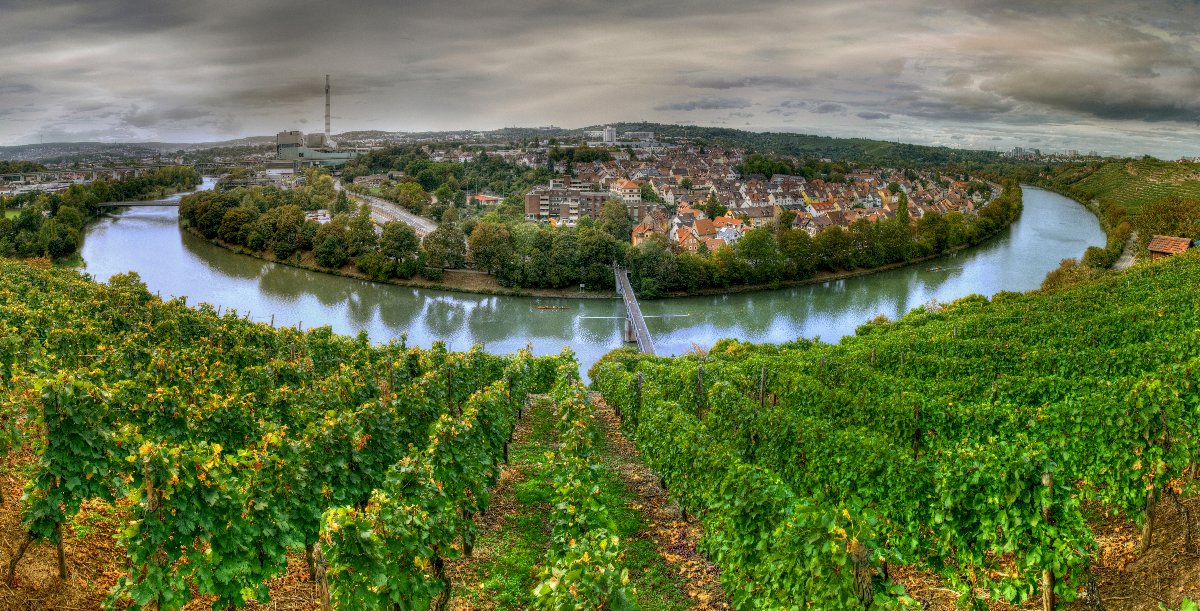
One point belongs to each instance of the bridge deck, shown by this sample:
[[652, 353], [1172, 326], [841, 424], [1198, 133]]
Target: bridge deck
[[634, 312], [137, 203]]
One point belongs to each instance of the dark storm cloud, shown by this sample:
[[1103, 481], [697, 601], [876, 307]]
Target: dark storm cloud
[[707, 104], [1100, 71], [1082, 93]]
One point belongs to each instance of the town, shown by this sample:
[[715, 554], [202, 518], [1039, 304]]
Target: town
[[696, 198]]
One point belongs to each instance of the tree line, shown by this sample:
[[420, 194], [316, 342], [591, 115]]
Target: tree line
[[779, 253], [51, 224], [539, 256], [525, 255], [271, 221]]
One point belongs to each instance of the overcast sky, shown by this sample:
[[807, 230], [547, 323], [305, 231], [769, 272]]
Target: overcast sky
[[1116, 76]]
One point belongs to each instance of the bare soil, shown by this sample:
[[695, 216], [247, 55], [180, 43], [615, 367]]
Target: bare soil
[[675, 538], [1160, 578]]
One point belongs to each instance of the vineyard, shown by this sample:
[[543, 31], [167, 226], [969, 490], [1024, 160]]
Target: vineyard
[[235, 443], [1129, 184], [977, 441]]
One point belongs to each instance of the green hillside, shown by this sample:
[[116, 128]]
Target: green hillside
[[978, 440], [1129, 184]]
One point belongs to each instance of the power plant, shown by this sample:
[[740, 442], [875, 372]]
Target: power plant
[[314, 149]]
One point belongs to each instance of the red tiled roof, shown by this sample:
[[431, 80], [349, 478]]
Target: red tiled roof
[[1168, 244]]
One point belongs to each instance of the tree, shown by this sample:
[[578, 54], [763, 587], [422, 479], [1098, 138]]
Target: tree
[[649, 196], [444, 195], [686, 184], [399, 241], [713, 208], [564, 259], [321, 193], [288, 222], [411, 196], [652, 269], [60, 240], [491, 247], [597, 250], [614, 219], [761, 254], [895, 240], [796, 246], [784, 222], [446, 247], [329, 246], [342, 203], [933, 234], [375, 265], [360, 236], [236, 224], [833, 248]]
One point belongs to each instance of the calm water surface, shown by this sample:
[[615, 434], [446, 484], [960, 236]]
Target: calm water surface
[[148, 241]]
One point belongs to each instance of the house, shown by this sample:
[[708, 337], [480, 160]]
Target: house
[[630, 192], [758, 216], [641, 233], [484, 200], [687, 239], [1164, 246]]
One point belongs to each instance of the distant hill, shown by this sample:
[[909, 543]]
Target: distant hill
[[55, 152], [876, 152]]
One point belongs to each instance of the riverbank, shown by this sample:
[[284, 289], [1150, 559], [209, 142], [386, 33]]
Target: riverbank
[[477, 282], [454, 280], [175, 263], [481, 283]]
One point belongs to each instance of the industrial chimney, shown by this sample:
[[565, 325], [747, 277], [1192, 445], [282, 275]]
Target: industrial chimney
[[327, 108]]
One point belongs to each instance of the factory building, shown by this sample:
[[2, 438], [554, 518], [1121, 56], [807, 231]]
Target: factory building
[[306, 150]]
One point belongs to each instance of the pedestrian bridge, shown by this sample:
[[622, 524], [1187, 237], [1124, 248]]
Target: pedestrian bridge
[[635, 323], [138, 203]]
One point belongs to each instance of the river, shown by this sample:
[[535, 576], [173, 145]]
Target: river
[[174, 263]]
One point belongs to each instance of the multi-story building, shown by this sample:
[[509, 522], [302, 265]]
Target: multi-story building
[[628, 191], [563, 204]]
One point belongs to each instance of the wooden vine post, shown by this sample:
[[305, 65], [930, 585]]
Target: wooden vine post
[[321, 577], [62, 556]]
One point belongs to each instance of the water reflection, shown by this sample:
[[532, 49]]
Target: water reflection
[[147, 240]]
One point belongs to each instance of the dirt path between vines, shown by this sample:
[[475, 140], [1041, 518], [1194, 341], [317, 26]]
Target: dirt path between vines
[[675, 538]]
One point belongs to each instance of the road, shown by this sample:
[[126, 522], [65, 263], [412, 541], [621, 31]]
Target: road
[[383, 211]]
